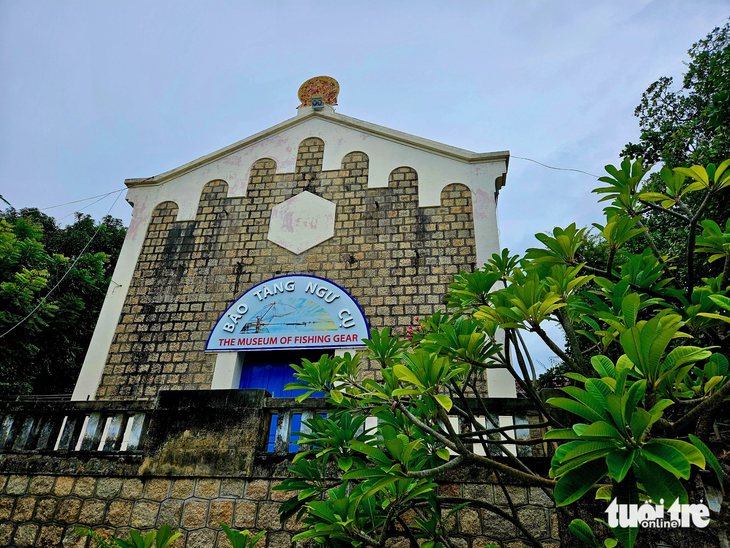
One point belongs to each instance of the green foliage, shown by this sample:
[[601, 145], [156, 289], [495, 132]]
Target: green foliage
[[616, 439], [644, 306], [635, 359], [619, 230], [44, 354], [384, 347], [714, 240], [160, 538], [328, 372], [582, 532], [685, 128], [241, 539], [560, 247], [622, 189], [472, 289], [336, 437], [711, 179]]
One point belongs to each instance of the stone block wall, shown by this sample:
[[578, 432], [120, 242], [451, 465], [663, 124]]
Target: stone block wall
[[201, 461], [41, 510], [395, 258]]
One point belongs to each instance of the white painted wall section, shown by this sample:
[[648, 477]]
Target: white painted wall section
[[227, 372], [144, 203]]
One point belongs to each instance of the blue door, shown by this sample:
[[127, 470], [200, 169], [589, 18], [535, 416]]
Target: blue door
[[272, 371]]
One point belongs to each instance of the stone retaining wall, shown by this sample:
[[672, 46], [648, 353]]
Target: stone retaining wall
[[201, 460], [41, 510]]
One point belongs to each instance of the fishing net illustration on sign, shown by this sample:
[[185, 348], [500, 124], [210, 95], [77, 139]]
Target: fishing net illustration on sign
[[295, 311], [290, 314]]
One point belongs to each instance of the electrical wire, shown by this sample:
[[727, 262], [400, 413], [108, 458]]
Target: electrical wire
[[557, 168], [125, 188], [119, 190], [70, 268], [85, 207], [83, 199]]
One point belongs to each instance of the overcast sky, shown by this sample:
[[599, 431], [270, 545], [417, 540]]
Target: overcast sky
[[92, 93]]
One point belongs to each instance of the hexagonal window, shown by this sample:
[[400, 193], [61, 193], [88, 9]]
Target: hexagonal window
[[302, 222]]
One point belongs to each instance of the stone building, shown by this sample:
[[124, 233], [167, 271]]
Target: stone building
[[291, 243]]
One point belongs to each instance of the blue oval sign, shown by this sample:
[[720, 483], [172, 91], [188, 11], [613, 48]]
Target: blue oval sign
[[287, 312]]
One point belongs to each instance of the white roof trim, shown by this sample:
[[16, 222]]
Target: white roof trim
[[434, 147]]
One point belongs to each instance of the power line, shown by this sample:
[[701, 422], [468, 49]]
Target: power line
[[85, 207], [86, 199], [70, 268], [125, 188], [557, 168], [83, 199]]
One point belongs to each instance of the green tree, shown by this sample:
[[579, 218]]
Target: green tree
[[638, 419], [689, 126], [681, 128], [644, 306], [43, 354], [70, 240]]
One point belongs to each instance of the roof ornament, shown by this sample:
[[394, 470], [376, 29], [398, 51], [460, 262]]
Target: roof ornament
[[319, 91]]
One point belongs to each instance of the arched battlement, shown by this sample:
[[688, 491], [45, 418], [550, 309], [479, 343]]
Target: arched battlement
[[212, 200], [309, 157], [261, 168], [404, 177], [215, 185], [311, 141], [356, 157], [452, 193], [164, 212], [357, 164]]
